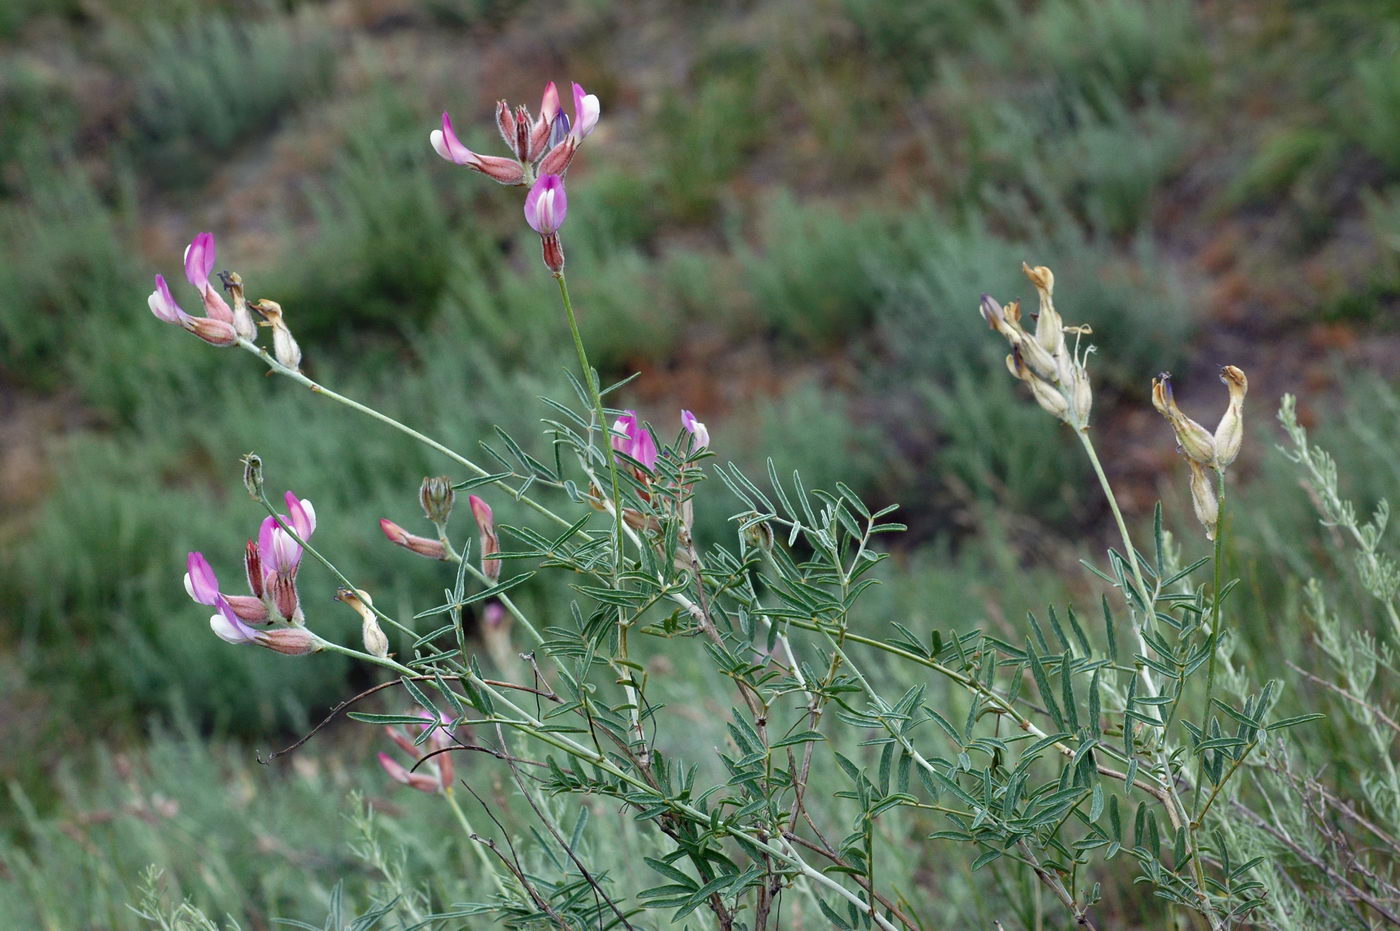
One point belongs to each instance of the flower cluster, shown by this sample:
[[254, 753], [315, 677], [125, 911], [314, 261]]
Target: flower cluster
[[271, 564], [1055, 374], [543, 147], [223, 325], [636, 450], [1201, 448]]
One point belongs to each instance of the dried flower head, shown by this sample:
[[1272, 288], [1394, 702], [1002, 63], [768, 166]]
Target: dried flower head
[[1055, 372]]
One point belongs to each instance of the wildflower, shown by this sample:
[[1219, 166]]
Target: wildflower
[[566, 138], [376, 643], [634, 440], [541, 146], [213, 330], [502, 170], [284, 347], [423, 546], [427, 775], [496, 623], [437, 496], [200, 257], [696, 429], [490, 544], [279, 556], [292, 641], [1056, 373], [242, 319], [203, 587], [545, 208]]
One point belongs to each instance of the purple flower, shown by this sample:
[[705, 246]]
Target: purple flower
[[586, 113], [228, 626], [696, 429], [546, 205], [544, 145], [220, 327], [446, 144], [203, 587], [635, 440]]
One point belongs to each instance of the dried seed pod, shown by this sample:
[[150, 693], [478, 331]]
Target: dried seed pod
[[1203, 499], [1194, 440], [1229, 434]]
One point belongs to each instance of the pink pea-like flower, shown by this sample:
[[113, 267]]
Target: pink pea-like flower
[[222, 326], [423, 546], [546, 205], [203, 588], [490, 543], [635, 440], [696, 429], [446, 144]]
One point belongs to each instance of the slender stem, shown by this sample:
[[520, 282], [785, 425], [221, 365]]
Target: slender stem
[[428, 441], [602, 415], [586, 370], [1214, 642], [532, 727], [1118, 519], [487, 863]]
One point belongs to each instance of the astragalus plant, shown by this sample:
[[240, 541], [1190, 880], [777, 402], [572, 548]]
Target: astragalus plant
[[1083, 753]]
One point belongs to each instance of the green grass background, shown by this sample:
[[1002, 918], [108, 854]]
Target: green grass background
[[784, 223]]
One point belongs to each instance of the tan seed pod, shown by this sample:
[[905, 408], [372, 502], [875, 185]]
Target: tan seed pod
[[1229, 434], [1203, 499]]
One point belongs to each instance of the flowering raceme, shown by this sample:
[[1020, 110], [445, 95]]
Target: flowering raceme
[[271, 564], [542, 145]]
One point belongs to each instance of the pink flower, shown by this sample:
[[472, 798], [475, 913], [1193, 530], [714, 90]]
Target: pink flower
[[203, 587], [423, 546], [212, 330], [490, 544], [292, 641], [635, 440], [542, 146], [221, 326], [436, 774], [546, 205], [696, 429], [446, 144], [586, 113]]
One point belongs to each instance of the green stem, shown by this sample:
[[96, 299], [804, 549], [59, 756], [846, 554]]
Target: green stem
[[1118, 519], [480, 851], [428, 441], [1214, 640], [599, 412]]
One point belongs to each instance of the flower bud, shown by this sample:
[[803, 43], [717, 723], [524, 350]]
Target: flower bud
[[437, 496], [490, 544], [1203, 499], [252, 567], [253, 475], [432, 549], [1229, 434], [496, 624]]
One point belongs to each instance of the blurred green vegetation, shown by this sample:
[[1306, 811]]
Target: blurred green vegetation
[[784, 222]]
